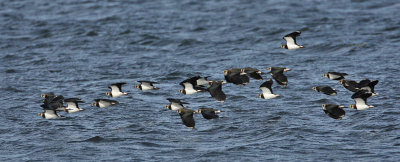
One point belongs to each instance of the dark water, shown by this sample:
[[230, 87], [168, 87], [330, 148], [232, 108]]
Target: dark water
[[77, 48]]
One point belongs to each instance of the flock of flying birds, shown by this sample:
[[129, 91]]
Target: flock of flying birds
[[238, 76]]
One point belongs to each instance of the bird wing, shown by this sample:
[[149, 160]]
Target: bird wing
[[291, 38], [360, 101], [216, 92]]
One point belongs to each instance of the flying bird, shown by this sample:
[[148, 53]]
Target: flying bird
[[368, 86], [209, 113], [102, 103], [190, 86], [325, 90], [51, 105], [334, 111], [360, 98], [350, 85], [187, 117], [72, 105], [279, 77], [116, 90], [175, 104], [216, 92], [252, 72], [291, 41], [266, 89], [146, 85], [234, 76], [335, 75]]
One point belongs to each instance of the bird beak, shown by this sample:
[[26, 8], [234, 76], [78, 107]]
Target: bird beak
[[286, 69]]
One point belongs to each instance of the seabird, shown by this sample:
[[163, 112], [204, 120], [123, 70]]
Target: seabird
[[190, 86], [116, 90], [291, 41], [175, 104], [279, 77], [146, 85], [201, 80], [266, 89], [326, 90], [334, 111], [51, 94], [102, 103], [252, 72], [187, 117], [350, 85], [216, 92], [234, 76], [49, 113], [72, 105], [50, 107], [208, 113], [278, 69], [335, 75], [56, 102], [368, 86], [360, 97]]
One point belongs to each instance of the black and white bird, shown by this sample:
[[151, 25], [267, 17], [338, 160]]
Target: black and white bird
[[187, 117], [146, 85], [209, 113], [215, 90], [50, 106], [350, 85], [360, 98], [190, 86], [325, 90], [234, 76], [335, 75], [279, 77], [266, 89], [48, 95], [49, 113], [102, 103], [278, 69], [252, 72], [334, 111], [201, 80], [368, 86], [291, 41], [175, 104], [56, 102], [72, 105], [116, 90]]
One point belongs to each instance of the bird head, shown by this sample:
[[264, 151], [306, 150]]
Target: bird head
[[226, 72], [41, 114], [341, 81]]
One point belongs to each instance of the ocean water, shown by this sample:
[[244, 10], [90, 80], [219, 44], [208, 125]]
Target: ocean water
[[76, 48]]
